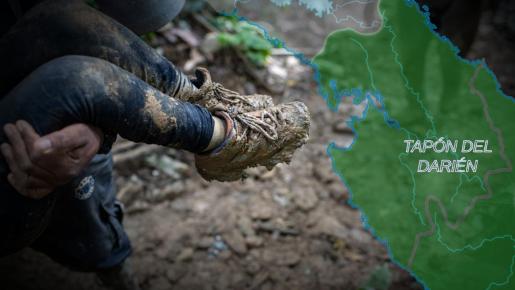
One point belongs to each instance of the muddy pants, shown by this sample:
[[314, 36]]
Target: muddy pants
[[66, 63]]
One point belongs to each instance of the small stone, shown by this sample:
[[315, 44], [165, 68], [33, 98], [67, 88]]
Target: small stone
[[269, 174], [210, 44], [224, 255], [254, 241], [168, 193], [170, 251], [354, 256], [238, 280], [185, 255], [259, 279], [168, 165], [281, 257], [252, 267], [205, 242], [245, 225], [159, 283], [338, 191], [306, 198], [325, 174], [138, 206], [281, 200], [236, 242], [360, 236], [330, 226], [268, 285], [261, 210], [175, 273], [280, 275]]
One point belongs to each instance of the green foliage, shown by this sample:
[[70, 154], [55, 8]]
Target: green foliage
[[245, 37], [148, 37]]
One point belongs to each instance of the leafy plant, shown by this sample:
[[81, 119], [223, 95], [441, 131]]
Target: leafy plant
[[148, 37], [245, 37]]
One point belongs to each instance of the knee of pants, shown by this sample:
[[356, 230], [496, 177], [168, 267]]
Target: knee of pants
[[104, 255], [69, 87], [86, 231], [142, 16], [64, 27], [99, 255], [64, 18], [88, 256], [74, 72], [64, 91], [104, 245]]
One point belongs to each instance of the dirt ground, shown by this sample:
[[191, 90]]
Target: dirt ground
[[290, 228]]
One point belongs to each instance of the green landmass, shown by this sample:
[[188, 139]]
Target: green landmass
[[451, 230]]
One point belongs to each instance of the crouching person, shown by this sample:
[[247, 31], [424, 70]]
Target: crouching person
[[62, 108]]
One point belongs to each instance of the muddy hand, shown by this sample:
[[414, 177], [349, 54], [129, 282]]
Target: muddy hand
[[40, 164]]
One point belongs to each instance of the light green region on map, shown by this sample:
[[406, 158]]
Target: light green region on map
[[451, 230]]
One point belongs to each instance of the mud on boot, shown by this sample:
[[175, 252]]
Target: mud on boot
[[259, 138], [215, 97]]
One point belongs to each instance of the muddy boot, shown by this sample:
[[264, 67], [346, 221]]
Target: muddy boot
[[119, 277], [259, 138], [215, 97]]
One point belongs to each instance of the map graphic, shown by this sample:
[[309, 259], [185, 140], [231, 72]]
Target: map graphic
[[431, 165]]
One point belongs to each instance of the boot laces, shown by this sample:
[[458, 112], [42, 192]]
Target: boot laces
[[227, 95], [255, 123], [260, 125]]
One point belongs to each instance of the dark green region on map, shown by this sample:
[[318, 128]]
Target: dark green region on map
[[451, 230]]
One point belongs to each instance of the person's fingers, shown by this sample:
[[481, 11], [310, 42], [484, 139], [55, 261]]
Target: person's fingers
[[88, 150], [40, 164], [30, 137], [66, 139], [38, 193], [29, 186], [93, 141], [79, 141], [15, 183], [13, 135], [28, 133], [28, 181], [9, 157], [19, 177], [14, 166], [33, 182], [12, 181], [18, 146]]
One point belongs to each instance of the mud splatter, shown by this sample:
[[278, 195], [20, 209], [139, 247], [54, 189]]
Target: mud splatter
[[154, 109], [249, 147]]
